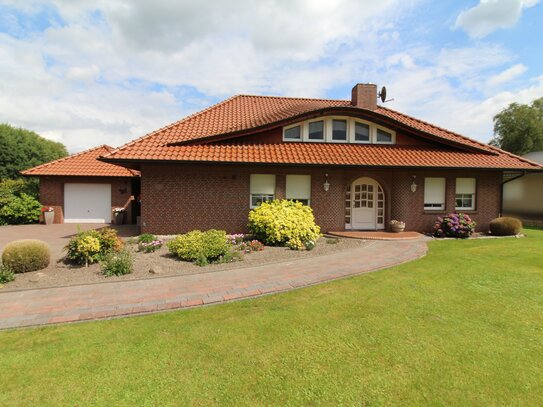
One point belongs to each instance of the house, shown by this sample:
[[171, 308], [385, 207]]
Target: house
[[523, 194], [357, 164], [82, 189]]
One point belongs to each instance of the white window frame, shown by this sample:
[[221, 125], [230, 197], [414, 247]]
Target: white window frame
[[261, 194], [393, 134], [441, 205], [298, 198], [328, 131], [292, 140], [305, 130], [466, 194]]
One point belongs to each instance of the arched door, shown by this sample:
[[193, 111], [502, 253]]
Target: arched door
[[367, 204]]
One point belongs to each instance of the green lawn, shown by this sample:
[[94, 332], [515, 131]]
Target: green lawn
[[463, 326]]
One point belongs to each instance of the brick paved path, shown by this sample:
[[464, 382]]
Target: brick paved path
[[113, 299]]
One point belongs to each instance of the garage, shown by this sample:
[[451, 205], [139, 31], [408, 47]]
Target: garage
[[87, 203]]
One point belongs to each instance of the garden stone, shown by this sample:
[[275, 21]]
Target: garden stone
[[37, 277], [155, 270]]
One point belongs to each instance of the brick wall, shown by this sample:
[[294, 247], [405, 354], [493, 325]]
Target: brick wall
[[52, 192], [180, 198]]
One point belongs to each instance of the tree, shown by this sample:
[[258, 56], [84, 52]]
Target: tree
[[21, 149], [519, 128]]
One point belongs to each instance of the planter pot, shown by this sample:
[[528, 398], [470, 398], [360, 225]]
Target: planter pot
[[397, 228], [118, 218], [49, 217]]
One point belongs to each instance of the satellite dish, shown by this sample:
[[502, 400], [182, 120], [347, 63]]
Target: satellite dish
[[383, 94]]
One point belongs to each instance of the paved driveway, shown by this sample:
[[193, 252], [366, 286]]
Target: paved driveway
[[55, 235]]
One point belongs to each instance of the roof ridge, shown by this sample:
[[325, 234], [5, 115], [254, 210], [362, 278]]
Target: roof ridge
[[184, 119], [292, 97], [69, 156]]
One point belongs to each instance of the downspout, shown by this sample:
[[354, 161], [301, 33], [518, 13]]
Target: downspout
[[501, 190]]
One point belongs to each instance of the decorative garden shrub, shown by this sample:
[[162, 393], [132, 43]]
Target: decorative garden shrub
[[149, 243], [93, 245], [199, 247], [117, 264], [457, 225], [6, 274], [26, 255], [284, 222], [19, 210], [505, 226]]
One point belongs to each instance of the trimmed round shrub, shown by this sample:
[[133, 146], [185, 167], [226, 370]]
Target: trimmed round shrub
[[26, 255], [456, 225], [505, 226], [200, 247], [284, 222]]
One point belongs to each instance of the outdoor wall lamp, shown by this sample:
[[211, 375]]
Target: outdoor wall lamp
[[326, 184], [414, 184]]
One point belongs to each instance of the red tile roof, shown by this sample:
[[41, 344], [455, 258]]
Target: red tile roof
[[338, 154], [243, 113], [84, 163]]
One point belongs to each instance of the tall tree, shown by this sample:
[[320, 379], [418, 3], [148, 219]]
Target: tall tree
[[21, 149], [519, 128]]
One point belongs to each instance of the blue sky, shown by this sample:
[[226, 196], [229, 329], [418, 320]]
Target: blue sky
[[93, 72]]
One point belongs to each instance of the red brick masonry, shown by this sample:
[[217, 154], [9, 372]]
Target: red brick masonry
[[183, 197]]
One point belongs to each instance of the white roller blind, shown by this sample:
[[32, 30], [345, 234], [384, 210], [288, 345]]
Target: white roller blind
[[298, 187], [263, 184], [434, 190], [465, 185]]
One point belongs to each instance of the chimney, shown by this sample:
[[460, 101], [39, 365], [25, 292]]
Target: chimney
[[364, 96]]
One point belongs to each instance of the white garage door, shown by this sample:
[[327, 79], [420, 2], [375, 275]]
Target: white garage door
[[87, 203]]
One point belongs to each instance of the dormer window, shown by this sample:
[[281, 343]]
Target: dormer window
[[316, 131], [339, 130], [361, 132], [293, 133]]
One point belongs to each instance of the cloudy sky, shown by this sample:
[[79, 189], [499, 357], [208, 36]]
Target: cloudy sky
[[102, 71]]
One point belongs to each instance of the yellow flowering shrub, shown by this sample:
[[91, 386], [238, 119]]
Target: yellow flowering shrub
[[283, 222]]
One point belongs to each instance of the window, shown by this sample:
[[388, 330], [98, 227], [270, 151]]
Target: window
[[434, 194], [465, 193], [262, 188], [293, 133], [362, 132], [316, 130], [339, 130], [299, 188], [383, 136]]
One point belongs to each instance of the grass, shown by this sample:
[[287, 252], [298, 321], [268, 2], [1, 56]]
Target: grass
[[463, 326]]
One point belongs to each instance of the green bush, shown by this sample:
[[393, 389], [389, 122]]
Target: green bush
[[93, 245], [26, 255], [19, 210], [117, 264], [199, 247], [505, 226], [146, 238], [283, 222], [6, 274]]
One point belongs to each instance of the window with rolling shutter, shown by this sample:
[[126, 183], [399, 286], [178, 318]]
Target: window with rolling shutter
[[262, 187], [299, 188], [434, 193], [465, 193]]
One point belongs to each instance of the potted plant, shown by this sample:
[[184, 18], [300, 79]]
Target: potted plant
[[397, 226], [118, 216], [48, 215]]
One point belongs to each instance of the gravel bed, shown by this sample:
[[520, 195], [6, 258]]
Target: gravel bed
[[60, 274]]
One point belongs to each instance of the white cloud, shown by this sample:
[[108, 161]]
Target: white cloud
[[490, 15], [116, 70]]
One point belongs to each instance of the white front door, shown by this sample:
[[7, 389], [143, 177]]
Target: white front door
[[367, 205], [87, 203]]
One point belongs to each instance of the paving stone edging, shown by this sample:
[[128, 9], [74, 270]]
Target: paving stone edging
[[135, 297]]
